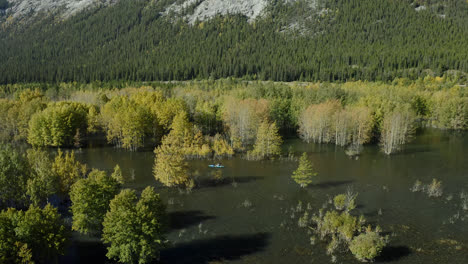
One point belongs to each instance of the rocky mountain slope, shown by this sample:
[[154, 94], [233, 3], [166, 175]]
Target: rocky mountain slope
[[191, 10], [24, 9]]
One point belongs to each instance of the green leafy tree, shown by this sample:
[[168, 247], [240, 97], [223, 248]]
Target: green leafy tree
[[221, 148], [134, 228], [68, 170], [16, 114], [7, 238], [268, 141], [118, 175], [170, 167], [90, 199], [58, 124], [43, 182], [14, 174], [367, 246], [126, 122], [305, 172], [37, 234]]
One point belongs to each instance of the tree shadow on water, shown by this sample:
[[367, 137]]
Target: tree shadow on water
[[90, 252], [220, 248], [211, 182], [330, 184], [184, 219], [393, 253]]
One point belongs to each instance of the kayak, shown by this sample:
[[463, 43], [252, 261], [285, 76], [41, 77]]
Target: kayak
[[215, 166]]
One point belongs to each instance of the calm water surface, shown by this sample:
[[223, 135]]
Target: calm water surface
[[248, 217]]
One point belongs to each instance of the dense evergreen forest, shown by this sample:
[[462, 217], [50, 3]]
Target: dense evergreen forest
[[346, 40]]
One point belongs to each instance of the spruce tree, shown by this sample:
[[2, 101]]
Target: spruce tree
[[268, 142], [305, 172]]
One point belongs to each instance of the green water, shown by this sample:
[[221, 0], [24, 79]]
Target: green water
[[248, 217]]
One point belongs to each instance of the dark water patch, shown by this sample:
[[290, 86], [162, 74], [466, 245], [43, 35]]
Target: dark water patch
[[330, 184], [393, 253], [185, 219], [89, 252], [414, 150], [253, 197], [222, 248], [211, 182]]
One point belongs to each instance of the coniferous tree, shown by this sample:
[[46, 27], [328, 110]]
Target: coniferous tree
[[170, 167], [305, 173], [68, 170], [268, 141]]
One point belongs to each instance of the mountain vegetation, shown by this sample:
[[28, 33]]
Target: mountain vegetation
[[334, 41]]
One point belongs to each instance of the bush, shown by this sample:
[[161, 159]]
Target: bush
[[435, 188], [339, 201], [367, 246]]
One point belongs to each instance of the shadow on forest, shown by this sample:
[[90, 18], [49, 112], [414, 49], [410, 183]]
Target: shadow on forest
[[390, 254], [330, 184], [184, 219], [220, 248], [211, 182]]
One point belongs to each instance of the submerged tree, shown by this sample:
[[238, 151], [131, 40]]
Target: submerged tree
[[305, 172], [316, 122], [268, 141], [14, 174], [134, 228], [43, 182], [127, 122], [118, 175], [242, 118], [90, 199], [221, 148], [397, 129], [68, 170], [367, 246], [58, 124], [170, 167], [344, 230]]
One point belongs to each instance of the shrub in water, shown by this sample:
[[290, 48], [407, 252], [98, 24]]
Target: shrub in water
[[367, 246]]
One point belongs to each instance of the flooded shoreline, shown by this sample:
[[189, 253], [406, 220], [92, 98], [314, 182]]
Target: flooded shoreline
[[248, 214]]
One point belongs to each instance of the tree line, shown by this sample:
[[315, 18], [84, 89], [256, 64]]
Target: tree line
[[217, 119], [344, 40]]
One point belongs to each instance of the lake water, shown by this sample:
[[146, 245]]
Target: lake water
[[249, 216]]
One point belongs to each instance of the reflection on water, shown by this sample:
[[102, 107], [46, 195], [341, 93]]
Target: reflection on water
[[245, 213]]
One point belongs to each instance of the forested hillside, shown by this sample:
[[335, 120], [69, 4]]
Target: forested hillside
[[292, 40]]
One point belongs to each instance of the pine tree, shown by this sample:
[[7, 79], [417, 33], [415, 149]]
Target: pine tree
[[117, 175], [268, 142], [170, 166], [305, 172]]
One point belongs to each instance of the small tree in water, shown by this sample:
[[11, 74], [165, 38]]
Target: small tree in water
[[268, 142], [305, 172], [367, 246]]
